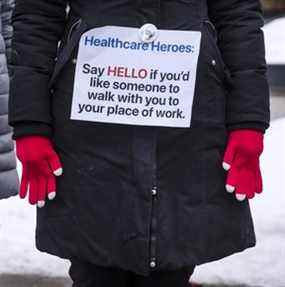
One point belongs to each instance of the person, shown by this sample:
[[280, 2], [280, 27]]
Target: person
[[129, 198], [9, 184]]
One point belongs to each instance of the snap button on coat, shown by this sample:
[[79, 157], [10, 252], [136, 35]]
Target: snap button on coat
[[148, 33]]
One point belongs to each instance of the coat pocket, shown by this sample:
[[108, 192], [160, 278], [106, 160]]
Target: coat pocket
[[67, 48], [73, 28], [212, 39]]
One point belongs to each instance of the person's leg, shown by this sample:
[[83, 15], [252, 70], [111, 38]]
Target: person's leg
[[88, 275], [81, 274], [176, 278]]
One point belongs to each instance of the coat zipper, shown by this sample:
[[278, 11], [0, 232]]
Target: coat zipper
[[153, 226], [153, 223]]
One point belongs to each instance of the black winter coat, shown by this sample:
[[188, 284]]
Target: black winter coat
[[138, 197]]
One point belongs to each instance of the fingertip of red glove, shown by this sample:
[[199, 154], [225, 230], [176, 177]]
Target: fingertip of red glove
[[33, 201], [41, 204], [240, 197], [52, 195], [22, 195], [58, 172], [230, 188], [226, 166]]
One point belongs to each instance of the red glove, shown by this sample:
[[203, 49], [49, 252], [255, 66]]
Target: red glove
[[40, 166], [241, 160]]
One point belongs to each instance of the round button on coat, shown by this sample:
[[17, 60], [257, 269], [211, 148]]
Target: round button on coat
[[148, 33], [152, 264]]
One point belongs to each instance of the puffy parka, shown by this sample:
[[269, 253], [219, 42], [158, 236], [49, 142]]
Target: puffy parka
[[8, 173], [141, 198]]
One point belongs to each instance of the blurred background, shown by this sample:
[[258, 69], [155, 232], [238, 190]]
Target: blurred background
[[21, 265], [273, 7]]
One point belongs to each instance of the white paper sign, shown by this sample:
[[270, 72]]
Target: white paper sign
[[120, 79]]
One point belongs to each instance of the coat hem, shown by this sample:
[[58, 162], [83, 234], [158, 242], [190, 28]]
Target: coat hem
[[173, 267]]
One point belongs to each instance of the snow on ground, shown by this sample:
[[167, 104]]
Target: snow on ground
[[263, 265], [17, 244], [274, 43]]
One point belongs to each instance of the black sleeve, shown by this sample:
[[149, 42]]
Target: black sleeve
[[241, 41], [38, 27]]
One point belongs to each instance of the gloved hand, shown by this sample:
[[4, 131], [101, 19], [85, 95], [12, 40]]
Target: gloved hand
[[40, 166], [241, 160]]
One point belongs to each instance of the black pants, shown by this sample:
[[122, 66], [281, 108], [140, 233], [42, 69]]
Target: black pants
[[88, 275]]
